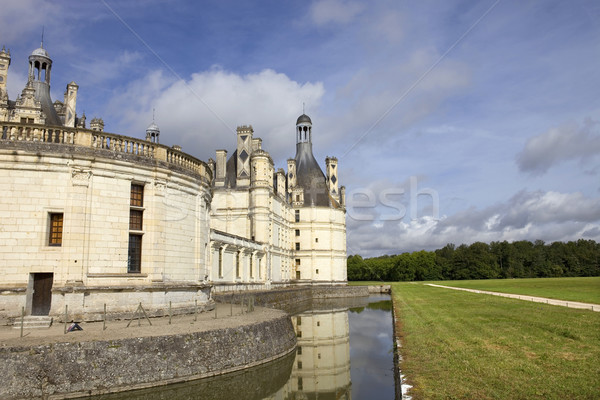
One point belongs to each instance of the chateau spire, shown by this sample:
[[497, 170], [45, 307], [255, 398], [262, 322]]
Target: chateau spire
[[152, 132]]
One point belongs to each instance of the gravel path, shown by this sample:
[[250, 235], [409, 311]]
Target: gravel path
[[180, 324], [554, 302]]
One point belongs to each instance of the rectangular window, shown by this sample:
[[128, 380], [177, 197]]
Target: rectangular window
[[56, 229], [297, 232], [297, 274], [251, 266], [299, 364], [136, 216], [220, 262], [299, 352], [134, 259], [237, 264], [137, 195], [135, 220], [297, 262], [317, 271], [300, 385], [297, 245], [298, 321], [316, 240], [297, 214]]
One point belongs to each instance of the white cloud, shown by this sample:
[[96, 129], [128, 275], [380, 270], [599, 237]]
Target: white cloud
[[567, 142], [20, 18], [383, 101], [337, 11], [201, 114], [106, 69], [549, 216]]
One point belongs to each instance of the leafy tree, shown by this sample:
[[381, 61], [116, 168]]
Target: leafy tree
[[520, 259]]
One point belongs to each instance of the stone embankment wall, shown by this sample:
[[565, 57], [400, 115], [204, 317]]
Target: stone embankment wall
[[287, 297], [55, 370], [387, 289]]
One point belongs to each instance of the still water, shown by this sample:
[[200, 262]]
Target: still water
[[344, 352]]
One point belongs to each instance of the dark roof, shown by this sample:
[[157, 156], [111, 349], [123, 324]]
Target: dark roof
[[303, 118], [231, 171], [42, 93], [40, 52], [310, 177]]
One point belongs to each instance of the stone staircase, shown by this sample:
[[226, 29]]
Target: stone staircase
[[33, 322]]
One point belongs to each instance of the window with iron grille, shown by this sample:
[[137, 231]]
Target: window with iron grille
[[136, 218], [134, 258], [137, 195], [220, 262], [56, 229]]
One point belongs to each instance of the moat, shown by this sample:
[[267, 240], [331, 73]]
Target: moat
[[345, 351]]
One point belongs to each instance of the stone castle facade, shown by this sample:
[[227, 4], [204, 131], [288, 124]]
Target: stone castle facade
[[90, 218]]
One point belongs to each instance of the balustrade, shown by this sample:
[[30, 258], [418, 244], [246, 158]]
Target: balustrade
[[37, 133], [178, 158], [123, 144], [18, 132]]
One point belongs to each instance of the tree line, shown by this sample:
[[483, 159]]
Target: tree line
[[522, 259]]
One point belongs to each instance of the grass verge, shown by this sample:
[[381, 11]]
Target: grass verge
[[459, 345], [586, 289]]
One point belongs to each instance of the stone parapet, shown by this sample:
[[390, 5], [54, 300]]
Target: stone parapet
[[117, 145]]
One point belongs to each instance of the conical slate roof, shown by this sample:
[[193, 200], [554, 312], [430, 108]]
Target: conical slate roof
[[310, 177]]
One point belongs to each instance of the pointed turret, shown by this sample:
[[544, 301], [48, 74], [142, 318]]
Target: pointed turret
[[40, 66], [309, 175]]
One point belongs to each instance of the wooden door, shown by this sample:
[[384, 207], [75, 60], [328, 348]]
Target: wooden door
[[42, 293]]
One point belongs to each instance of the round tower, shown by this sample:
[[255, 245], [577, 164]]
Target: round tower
[[152, 133], [40, 66], [309, 175], [262, 169], [304, 129], [261, 186], [4, 64]]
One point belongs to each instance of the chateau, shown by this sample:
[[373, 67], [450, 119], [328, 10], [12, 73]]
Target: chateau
[[91, 218]]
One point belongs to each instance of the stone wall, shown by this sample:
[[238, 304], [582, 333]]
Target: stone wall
[[380, 289], [292, 298], [90, 189], [107, 366], [258, 383]]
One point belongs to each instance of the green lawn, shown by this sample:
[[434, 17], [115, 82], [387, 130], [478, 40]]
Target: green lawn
[[586, 289], [459, 345]]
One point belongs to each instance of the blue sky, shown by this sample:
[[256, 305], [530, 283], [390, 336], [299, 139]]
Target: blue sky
[[453, 121]]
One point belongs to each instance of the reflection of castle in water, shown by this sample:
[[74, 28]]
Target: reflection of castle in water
[[322, 366]]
